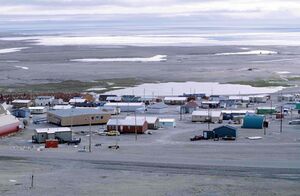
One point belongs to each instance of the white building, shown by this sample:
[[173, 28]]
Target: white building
[[167, 122], [207, 116], [38, 110], [61, 133], [126, 106], [75, 100], [62, 107], [44, 100], [157, 108]]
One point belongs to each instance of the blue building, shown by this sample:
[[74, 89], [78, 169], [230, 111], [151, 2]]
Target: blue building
[[253, 121], [21, 113], [225, 131]]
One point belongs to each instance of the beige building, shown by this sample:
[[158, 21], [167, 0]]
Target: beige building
[[74, 117]]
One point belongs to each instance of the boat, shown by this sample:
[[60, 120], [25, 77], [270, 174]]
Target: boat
[[8, 123]]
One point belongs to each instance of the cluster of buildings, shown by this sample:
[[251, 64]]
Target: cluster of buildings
[[93, 109]]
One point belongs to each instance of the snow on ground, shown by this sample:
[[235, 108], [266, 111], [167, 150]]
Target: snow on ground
[[156, 58], [178, 88], [251, 52], [10, 50], [22, 67]]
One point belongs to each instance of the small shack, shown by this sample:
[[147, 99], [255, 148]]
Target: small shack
[[167, 122], [38, 110], [225, 131], [266, 110], [207, 116], [253, 121], [43, 134]]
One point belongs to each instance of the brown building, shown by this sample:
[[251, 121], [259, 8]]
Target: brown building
[[73, 117], [20, 103], [128, 125]]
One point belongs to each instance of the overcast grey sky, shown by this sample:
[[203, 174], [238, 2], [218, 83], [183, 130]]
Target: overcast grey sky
[[272, 11]]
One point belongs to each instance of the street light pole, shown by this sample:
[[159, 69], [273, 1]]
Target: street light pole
[[90, 135], [281, 120], [135, 130]]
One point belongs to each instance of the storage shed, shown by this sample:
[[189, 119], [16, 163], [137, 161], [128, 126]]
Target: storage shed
[[61, 133], [38, 110], [253, 121], [75, 117], [167, 122], [128, 125], [225, 131], [266, 110], [207, 116]]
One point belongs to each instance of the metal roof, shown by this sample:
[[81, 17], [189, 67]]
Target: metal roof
[[76, 112], [127, 122], [53, 130], [21, 101]]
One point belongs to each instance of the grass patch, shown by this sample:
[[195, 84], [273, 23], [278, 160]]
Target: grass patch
[[294, 79], [262, 83], [72, 86]]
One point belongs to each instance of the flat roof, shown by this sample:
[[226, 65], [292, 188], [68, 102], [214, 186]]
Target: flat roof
[[167, 120], [53, 130], [21, 101], [149, 119], [175, 98], [36, 108], [124, 104], [76, 112], [127, 121]]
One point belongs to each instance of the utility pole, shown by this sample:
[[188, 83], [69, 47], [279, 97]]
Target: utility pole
[[90, 135], [32, 177], [135, 130], [281, 120]]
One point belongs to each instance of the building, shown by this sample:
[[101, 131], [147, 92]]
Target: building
[[153, 121], [73, 117], [225, 131], [207, 116], [21, 112], [128, 125], [167, 122], [266, 110], [230, 114], [114, 99], [38, 110], [253, 121], [8, 123], [287, 97], [175, 100], [126, 106], [43, 134], [259, 98], [44, 100], [75, 100], [157, 108], [62, 107], [189, 107], [210, 104], [20, 103]]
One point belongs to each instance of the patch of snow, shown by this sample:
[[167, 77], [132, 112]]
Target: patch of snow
[[156, 58], [22, 67], [251, 52], [10, 50]]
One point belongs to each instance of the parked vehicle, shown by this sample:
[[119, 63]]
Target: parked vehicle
[[113, 133], [74, 141], [114, 146], [197, 137]]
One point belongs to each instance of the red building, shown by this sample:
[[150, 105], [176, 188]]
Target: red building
[[131, 125]]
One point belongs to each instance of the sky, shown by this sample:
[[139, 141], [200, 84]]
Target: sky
[[214, 12]]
